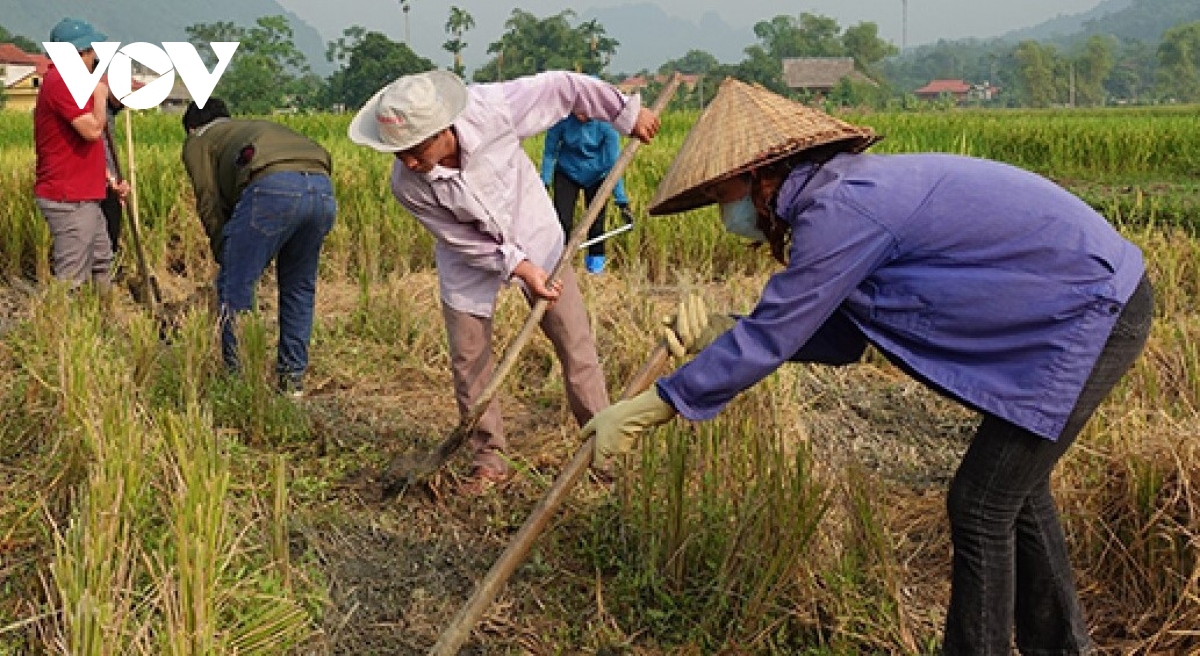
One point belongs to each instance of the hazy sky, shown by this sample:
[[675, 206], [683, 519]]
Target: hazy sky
[[928, 20]]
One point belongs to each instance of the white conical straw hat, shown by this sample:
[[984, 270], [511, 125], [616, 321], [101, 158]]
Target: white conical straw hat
[[746, 126]]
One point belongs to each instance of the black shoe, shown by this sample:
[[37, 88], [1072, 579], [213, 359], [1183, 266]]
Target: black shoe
[[291, 384]]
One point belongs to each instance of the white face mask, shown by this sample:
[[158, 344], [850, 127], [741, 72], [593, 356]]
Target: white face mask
[[741, 219]]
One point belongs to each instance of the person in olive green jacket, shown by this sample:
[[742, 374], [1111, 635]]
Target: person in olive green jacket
[[263, 193]]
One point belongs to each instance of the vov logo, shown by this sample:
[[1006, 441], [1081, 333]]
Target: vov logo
[[178, 57]]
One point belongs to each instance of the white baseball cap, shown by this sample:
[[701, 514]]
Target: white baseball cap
[[409, 110]]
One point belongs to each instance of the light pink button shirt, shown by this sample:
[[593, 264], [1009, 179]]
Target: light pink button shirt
[[494, 212]]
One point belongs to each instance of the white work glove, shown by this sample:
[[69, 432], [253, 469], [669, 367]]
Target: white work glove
[[693, 328], [617, 427]]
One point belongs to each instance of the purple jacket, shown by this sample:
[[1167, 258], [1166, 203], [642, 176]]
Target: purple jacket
[[989, 283]]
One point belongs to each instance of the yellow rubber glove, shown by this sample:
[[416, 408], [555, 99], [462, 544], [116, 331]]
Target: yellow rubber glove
[[617, 427], [692, 328]]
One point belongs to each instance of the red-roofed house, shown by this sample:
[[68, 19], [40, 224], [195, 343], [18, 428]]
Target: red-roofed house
[[960, 90], [21, 73], [639, 82]]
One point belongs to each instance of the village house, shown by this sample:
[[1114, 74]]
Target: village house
[[636, 83], [820, 75], [21, 74], [960, 91]]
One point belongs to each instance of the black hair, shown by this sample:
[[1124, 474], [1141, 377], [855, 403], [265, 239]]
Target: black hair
[[195, 116]]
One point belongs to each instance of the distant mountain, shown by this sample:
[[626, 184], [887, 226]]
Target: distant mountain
[[1145, 20], [1136, 20], [649, 37], [1066, 24], [155, 21]]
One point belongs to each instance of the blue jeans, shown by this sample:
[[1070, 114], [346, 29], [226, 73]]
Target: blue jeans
[[283, 217], [1010, 569]]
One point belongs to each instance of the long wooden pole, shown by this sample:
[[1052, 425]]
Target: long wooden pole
[[460, 627], [403, 471], [149, 292]]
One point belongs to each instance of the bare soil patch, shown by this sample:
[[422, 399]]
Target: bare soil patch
[[398, 570]]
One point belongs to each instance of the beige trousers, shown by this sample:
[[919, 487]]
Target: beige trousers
[[471, 362]]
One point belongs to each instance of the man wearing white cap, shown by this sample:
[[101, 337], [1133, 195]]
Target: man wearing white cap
[[460, 169], [70, 178], [990, 284]]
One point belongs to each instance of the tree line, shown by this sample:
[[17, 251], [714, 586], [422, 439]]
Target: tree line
[[1099, 70], [270, 73]]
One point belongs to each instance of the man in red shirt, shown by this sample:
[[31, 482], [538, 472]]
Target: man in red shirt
[[70, 176]]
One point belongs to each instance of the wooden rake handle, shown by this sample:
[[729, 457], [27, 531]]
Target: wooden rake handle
[[434, 460], [460, 627], [149, 291]]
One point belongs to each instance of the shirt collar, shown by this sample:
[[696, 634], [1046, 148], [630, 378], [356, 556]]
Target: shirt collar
[[204, 128]]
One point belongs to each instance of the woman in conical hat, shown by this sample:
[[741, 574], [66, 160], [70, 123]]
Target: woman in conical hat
[[990, 284]]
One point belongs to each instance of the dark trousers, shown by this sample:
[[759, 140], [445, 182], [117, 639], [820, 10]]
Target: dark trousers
[[1010, 565], [566, 196], [111, 207]]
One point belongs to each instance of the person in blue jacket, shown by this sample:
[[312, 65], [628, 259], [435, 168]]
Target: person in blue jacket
[[990, 284], [577, 156]]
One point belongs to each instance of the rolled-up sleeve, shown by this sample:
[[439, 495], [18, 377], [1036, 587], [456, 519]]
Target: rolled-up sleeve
[[539, 101]]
